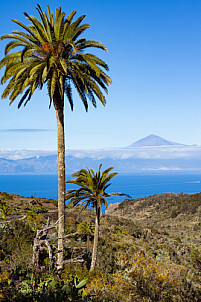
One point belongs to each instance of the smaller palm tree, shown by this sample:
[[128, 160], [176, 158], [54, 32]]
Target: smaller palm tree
[[92, 192], [86, 228]]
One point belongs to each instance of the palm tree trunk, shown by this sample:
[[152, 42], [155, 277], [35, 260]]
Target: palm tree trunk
[[95, 247], [59, 107]]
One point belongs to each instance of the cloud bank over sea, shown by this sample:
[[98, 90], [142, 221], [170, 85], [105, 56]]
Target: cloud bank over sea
[[136, 157], [150, 147], [150, 152]]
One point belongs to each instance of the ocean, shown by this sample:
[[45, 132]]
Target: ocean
[[135, 185]]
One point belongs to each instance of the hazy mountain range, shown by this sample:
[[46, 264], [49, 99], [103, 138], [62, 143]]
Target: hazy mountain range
[[152, 153]]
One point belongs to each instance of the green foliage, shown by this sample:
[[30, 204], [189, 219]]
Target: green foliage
[[197, 226], [4, 209], [122, 230], [108, 287], [135, 262], [178, 239], [151, 276], [35, 210], [52, 288], [70, 225], [172, 204], [16, 244], [70, 270], [50, 51], [86, 227], [39, 209], [196, 258], [6, 196], [92, 187], [5, 288], [106, 256]]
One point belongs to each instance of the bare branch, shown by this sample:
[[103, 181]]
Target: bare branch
[[76, 248], [50, 256], [74, 260], [66, 236], [48, 222], [49, 228]]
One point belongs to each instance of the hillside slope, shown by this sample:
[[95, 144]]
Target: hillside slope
[[178, 214], [149, 249]]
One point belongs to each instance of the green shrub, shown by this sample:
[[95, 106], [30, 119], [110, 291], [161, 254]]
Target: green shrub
[[196, 258], [51, 288], [4, 209]]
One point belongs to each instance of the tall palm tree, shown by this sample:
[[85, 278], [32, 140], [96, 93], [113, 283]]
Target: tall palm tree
[[92, 192], [50, 51]]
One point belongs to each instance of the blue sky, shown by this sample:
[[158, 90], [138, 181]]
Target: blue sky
[[154, 55]]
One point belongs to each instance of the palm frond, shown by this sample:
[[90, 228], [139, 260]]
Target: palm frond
[[26, 29], [68, 92], [50, 50], [92, 187]]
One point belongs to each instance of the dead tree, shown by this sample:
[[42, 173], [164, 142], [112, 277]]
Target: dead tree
[[42, 242]]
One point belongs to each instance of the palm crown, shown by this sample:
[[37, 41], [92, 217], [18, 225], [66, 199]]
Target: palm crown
[[92, 189], [51, 52]]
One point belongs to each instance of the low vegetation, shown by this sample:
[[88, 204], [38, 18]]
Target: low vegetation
[[145, 253]]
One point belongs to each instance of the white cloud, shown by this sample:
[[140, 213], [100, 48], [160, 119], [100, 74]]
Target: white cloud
[[21, 154], [165, 152]]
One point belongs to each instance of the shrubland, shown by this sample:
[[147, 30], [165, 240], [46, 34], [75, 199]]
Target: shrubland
[[149, 250]]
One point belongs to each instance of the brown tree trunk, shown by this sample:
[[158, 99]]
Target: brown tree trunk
[[96, 234], [59, 107]]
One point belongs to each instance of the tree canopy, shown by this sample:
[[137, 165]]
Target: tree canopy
[[50, 51]]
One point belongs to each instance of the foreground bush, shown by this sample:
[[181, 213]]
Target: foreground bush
[[34, 288], [141, 277]]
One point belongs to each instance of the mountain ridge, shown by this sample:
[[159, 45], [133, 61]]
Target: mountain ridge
[[154, 140]]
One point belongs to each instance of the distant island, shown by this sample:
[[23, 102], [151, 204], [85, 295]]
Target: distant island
[[151, 153]]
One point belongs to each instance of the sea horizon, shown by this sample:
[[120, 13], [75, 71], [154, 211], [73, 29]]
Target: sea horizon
[[136, 185]]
